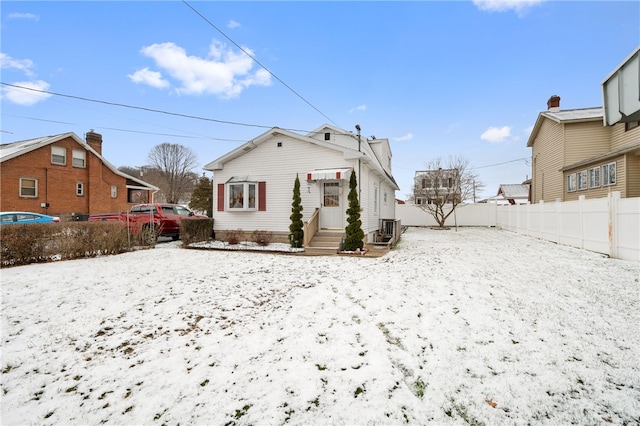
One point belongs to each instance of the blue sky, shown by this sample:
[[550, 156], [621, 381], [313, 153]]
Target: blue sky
[[435, 78]]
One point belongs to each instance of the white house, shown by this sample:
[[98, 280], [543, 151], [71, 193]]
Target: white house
[[253, 184]]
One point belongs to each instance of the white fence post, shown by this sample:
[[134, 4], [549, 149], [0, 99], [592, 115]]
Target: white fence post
[[581, 199], [614, 198]]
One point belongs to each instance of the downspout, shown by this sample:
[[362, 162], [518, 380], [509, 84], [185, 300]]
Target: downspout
[[359, 171], [46, 190]]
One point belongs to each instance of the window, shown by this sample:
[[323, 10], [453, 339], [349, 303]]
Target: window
[[609, 174], [327, 136], [58, 155], [79, 189], [331, 194], [238, 195], [375, 199], [571, 182], [582, 180], [241, 196], [594, 177], [28, 187], [114, 191], [79, 158]]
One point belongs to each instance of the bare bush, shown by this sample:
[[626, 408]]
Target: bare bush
[[235, 236], [262, 238]]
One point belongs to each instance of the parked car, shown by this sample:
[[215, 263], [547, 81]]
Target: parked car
[[12, 218], [160, 219]]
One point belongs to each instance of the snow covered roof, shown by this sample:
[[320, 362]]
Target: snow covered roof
[[575, 114], [566, 116], [514, 191]]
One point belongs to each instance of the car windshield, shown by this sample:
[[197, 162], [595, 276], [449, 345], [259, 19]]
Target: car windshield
[[183, 211]]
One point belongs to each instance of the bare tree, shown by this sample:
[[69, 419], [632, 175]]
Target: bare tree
[[440, 188], [174, 164]]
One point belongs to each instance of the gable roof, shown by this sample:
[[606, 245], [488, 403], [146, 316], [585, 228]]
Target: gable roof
[[514, 191], [566, 116], [16, 149], [365, 153]]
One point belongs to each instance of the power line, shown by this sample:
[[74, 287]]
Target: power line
[[499, 164], [257, 62], [194, 117], [127, 130]]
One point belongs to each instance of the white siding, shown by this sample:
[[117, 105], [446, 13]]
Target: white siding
[[277, 166]]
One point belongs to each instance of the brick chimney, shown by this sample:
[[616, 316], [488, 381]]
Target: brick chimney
[[94, 140], [553, 104]]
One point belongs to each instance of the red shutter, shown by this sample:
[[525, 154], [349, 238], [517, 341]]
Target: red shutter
[[262, 196], [221, 197]]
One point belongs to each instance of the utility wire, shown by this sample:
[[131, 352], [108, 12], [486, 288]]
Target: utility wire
[[257, 62], [128, 130], [500, 164], [235, 123]]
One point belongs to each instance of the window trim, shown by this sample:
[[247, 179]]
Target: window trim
[[594, 175], [247, 205], [82, 157], [80, 189], [64, 155], [606, 181], [114, 191], [582, 182], [572, 182], [35, 187]]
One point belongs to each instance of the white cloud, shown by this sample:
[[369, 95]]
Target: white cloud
[[28, 16], [496, 134], [223, 72], [404, 138], [26, 97], [23, 65], [519, 6], [150, 78], [361, 108], [233, 24]]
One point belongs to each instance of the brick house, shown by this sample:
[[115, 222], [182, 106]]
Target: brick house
[[65, 176]]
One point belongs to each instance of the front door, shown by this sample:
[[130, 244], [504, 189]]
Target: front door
[[331, 213]]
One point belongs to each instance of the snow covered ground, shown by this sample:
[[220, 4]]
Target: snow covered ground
[[477, 326]]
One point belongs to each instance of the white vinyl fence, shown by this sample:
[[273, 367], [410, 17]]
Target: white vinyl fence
[[609, 225]]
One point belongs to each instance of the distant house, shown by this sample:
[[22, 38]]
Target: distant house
[[253, 184], [514, 193], [575, 154], [440, 186], [65, 176]]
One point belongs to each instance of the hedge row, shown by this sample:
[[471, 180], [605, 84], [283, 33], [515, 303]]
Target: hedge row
[[34, 243]]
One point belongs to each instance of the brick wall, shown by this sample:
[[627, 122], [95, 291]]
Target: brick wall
[[57, 183]]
